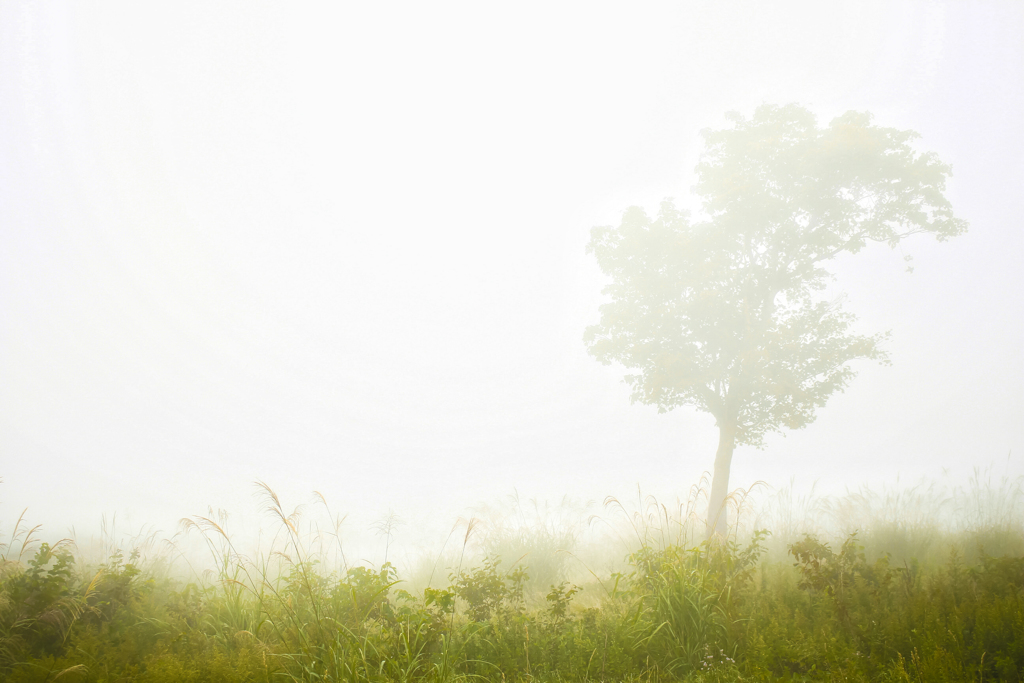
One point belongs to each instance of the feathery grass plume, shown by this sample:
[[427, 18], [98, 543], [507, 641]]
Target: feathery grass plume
[[385, 527], [336, 522], [26, 536]]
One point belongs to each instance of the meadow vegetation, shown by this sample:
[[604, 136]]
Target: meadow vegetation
[[908, 585]]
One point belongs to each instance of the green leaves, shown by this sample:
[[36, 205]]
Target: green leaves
[[725, 314], [487, 590], [559, 599]]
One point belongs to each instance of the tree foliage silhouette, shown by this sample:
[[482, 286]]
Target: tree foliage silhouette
[[726, 313]]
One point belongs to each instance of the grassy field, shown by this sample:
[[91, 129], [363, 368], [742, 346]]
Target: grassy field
[[915, 585]]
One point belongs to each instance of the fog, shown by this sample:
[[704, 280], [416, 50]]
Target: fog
[[343, 250]]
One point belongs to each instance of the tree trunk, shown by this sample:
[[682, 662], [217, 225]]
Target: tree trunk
[[718, 523]]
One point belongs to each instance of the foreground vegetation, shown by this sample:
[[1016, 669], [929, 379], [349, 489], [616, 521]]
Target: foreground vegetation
[[817, 611]]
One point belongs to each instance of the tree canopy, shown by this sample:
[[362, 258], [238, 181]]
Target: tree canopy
[[724, 312]]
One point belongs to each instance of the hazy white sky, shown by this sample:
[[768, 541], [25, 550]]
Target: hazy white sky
[[342, 248]]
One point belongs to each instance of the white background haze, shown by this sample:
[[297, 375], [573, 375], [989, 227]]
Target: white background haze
[[341, 248]]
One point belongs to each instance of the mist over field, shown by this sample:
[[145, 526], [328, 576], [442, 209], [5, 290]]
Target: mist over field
[[343, 250], [535, 343]]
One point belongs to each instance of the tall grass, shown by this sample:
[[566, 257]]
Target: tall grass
[[921, 583], [921, 522]]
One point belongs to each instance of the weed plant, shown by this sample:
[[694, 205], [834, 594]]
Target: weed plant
[[874, 591]]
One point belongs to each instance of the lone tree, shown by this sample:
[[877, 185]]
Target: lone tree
[[725, 313]]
